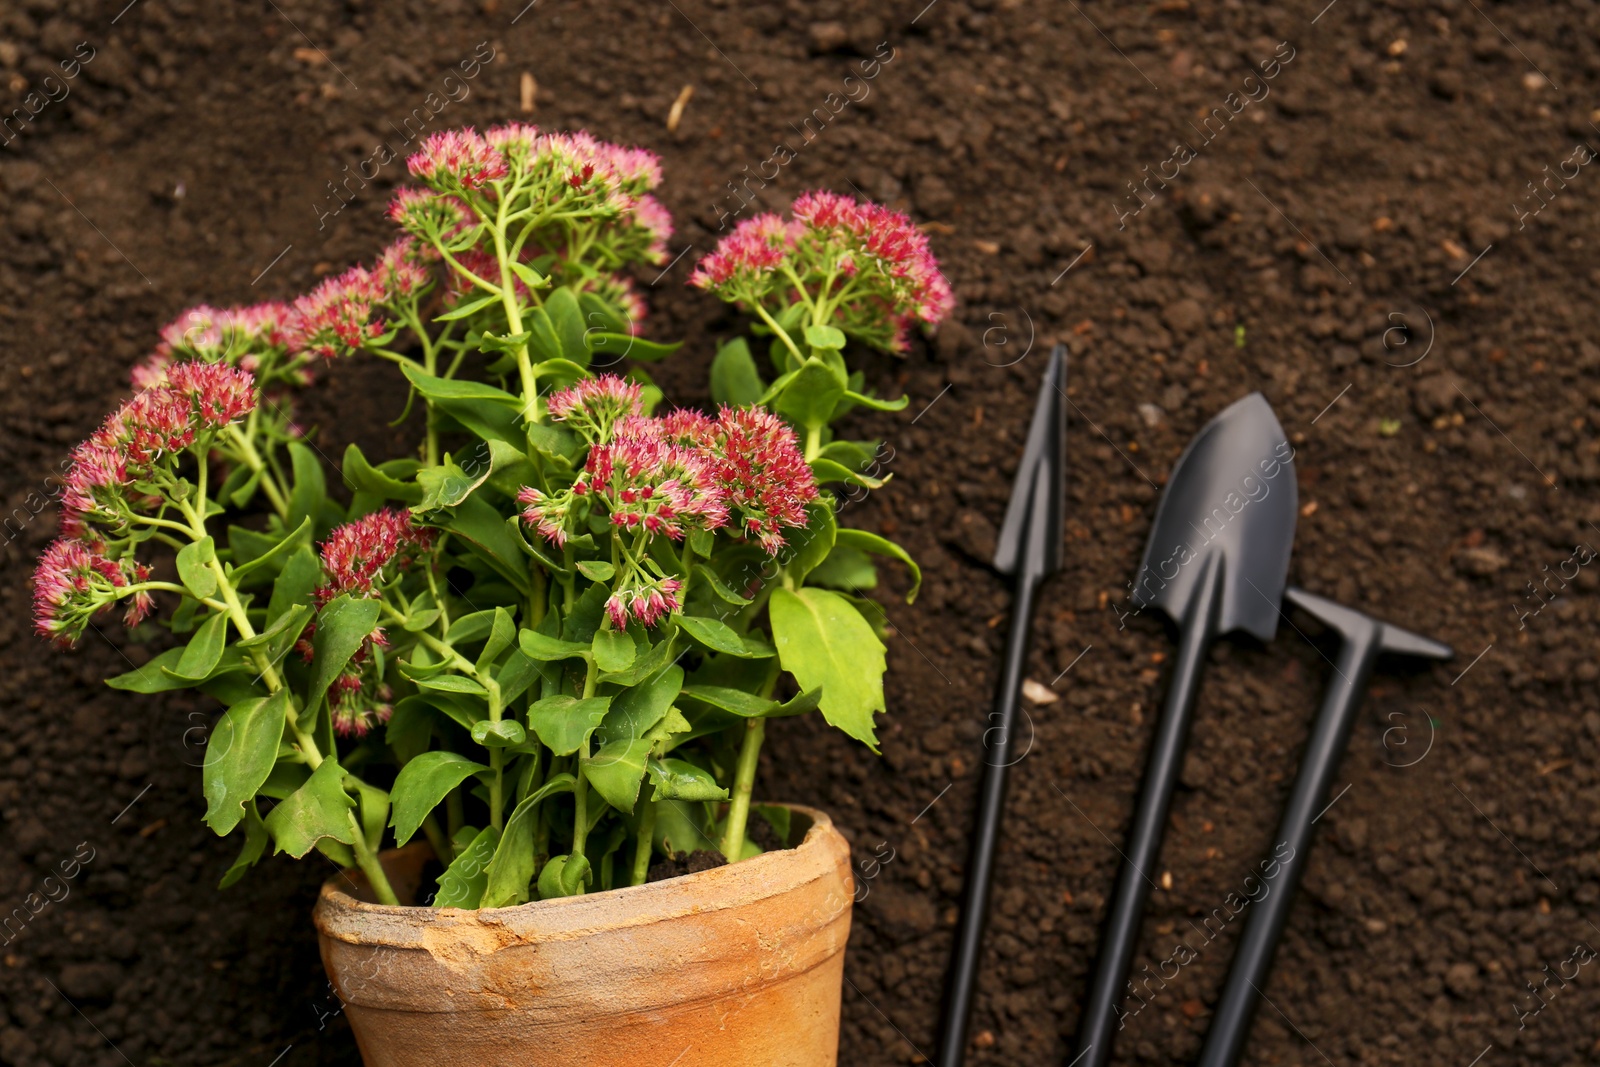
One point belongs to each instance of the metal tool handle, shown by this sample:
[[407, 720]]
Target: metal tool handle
[[1134, 881], [1001, 729], [1230, 1026]]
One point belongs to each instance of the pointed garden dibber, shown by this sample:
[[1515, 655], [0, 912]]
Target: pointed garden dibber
[[1029, 550]]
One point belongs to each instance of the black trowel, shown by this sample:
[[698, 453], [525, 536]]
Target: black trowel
[[1217, 562]]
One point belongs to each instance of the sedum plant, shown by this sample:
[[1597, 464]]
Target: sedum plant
[[548, 640]]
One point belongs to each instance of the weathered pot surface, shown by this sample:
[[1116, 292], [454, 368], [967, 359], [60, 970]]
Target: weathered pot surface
[[740, 966]]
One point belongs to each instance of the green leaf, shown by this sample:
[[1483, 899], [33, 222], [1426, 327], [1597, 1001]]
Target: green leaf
[[298, 579], [720, 637], [298, 538], [544, 343], [410, 729], [320, 808], [530, 277], [623, 344], [596, 570], [463, 882], [800, 704], [471, 307], [855, 455], [828, 470], [882, 546], [659, 655], [507, 733], [280, 636], [564, 876], [540, 648], [564, 723], [811, 395], [471, 627], [823, 641], [157, 676], [515, 675], [736, 701], [809, 547], [636, 711], [361, 477], [310, 486], [830, 337], [501, 636], [511, 870], [874, 404], [256, 838], [599, 314], [567, 320], [720, 588], [480, 524], [239, 756], [342, 626], [422, 784], [614, 650], [734, 377], [845, 568], [452, 683], [204, 650], [677, 779], [194, 567], [448, 484], [616, 771], [489, 412]]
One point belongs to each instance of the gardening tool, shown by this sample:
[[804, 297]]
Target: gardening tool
[[1363, 640], [1029, 549], [1216, 562]]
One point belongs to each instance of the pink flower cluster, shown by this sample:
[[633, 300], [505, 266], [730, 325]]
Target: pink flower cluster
[[452, 158], [465, 159], [649, 600], [212, 335], [762, 473], [355, 554], [884, 261], [594, 405], [674, 474], [358, 705], [337, 317], [74, 580], [160, 420], [647, 483], [756, 248]]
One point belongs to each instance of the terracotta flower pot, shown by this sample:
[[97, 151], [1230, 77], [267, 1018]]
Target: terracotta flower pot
[[739, 966]]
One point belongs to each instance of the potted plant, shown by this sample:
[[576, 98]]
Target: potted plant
[[539, 654]]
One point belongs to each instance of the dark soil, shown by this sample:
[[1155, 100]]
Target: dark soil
[[1383, 185], [684, 863]]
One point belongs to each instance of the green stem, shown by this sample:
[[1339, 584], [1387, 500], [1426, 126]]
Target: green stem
[[366, 859], [743, 784], [646, 845], [779, 330], [252, 459], [496, 789]]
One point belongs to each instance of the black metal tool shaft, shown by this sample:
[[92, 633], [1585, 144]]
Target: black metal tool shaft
[[1364, 640], [1136, 877], [1029, 547]]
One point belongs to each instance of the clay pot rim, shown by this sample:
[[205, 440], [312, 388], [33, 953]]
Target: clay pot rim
[[344, 917]]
